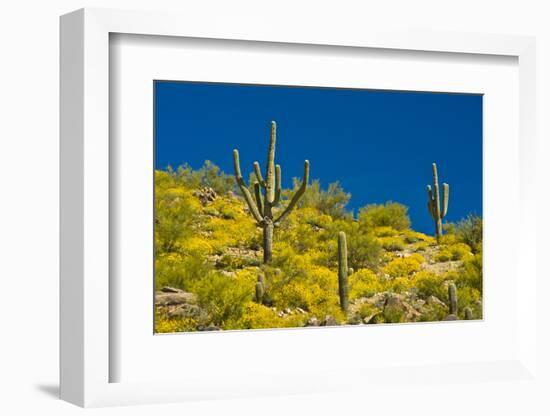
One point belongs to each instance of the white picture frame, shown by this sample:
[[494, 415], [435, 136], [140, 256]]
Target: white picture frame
[[86, 347]]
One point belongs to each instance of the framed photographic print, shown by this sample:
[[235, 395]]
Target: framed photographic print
[[328, 243], [270, 213]]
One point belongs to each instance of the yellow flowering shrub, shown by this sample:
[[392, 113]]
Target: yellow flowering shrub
[[392, 243], [175, 325], [401, 284], [412, 237], [364, 283], [258, 316], [385, 231], [454, 252], [403, 267]]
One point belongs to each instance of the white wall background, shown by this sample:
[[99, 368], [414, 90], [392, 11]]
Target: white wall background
[[29, 203]]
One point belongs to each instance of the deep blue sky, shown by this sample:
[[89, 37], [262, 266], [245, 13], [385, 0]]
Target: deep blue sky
[[378, 144]]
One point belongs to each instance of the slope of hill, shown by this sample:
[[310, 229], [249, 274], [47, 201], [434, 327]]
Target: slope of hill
[[208, 259]]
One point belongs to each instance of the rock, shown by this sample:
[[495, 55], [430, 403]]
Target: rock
[[210, 327], [378, 300], [168, 289], [354, 320], [370, 319], [398, 309], [300, 310], [184, 311], [394, 301], [329, 321], [174, 298], [451, 318], [313, 322], [280, 314], [206, 195], [432, 300], [287, 311], [228, 273]]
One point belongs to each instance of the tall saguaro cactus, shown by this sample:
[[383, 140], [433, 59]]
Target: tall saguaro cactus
[[453, 307], [262, 204], [260, 288], [343, 271], [435, 207]]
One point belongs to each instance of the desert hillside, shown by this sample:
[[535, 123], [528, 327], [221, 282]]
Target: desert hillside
[[209, 261]]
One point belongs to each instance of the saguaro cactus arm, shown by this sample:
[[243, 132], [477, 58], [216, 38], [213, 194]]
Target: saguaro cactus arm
[[431, 201], [258, 173], [277, 185], [270, 169], [258, 196], [437, 207], [445, 199], [244, 189], [297, 195]]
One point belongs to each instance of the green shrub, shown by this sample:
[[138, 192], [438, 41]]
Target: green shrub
[[385, 232], [331, 202], [410, 239], [467, 297], [434, 312], [209, 175], [180, 271], [392, 243], [471, 273], [364, 250], [224, 298], [390, 214], [429, 284], [394, 315], [366, 309], [470, 231]]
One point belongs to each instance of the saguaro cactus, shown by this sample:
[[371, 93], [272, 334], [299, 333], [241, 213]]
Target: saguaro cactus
[[262, 204], [260, 289], [452, 299], [343, 270], [434, 203], [468, 314]]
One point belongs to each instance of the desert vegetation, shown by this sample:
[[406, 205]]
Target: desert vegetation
[[235, 254]]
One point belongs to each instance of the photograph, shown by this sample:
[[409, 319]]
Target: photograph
[[281, 206]]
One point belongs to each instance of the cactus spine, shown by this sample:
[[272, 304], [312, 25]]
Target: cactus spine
[[261, 205], [343, 270], [437, 211], [452, 299]]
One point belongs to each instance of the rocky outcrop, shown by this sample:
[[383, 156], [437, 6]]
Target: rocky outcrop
[[176, 303], [206, 195]]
